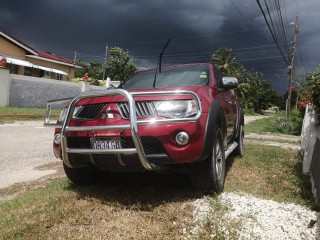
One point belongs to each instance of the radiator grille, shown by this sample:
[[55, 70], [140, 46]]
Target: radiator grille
[[89, 111], [143, 109]]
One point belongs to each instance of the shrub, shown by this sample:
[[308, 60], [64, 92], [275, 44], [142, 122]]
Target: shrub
[[293, 127], [311, 93]]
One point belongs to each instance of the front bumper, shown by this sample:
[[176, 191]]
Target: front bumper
[[161, 129]]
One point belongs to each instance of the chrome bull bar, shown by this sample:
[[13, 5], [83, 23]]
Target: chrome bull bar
[[132, 126]]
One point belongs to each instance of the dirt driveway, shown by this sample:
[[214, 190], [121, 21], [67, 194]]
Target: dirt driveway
[[25, 147]]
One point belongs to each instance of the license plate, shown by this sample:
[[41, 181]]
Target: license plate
[[108, 143]]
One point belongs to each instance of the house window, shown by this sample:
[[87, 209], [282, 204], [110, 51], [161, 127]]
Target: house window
[[47, 74], [14, 69], [27, 71], [59, 76]]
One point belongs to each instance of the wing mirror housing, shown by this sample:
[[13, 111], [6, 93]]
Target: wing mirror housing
[[229, 82]]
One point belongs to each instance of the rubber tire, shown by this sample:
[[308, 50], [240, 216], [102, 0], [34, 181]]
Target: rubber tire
[[204, 175], [239, 149], [82, 176]]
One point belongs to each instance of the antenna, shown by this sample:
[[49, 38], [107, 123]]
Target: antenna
[[159, 62]]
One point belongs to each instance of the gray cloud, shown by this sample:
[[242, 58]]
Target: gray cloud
[[143, 26]]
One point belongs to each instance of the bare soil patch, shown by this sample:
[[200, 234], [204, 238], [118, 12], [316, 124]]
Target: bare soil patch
[[277, 140]]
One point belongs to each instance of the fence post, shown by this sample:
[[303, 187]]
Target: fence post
[[85, 86], [5, 80]]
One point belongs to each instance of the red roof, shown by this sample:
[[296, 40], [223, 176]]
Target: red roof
[[33, 51], [53, 57]]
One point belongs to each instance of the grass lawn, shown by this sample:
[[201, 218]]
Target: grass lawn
[[261, 125], [270, 172], [148, 205], [145, 206], [10, 114], [277, 124]]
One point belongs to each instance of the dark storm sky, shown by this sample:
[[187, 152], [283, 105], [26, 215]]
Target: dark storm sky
[[197, 29]]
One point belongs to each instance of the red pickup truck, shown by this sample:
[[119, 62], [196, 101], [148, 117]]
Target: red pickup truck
[[186, 118]]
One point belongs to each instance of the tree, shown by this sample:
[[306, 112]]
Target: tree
[[224, 60], [119, 66], [94, 69], [253, 90]]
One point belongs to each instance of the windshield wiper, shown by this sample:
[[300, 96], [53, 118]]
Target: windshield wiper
[[159, 63]]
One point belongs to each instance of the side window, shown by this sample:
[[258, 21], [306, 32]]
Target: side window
[[27, 71], [59, 76], [217, 77]]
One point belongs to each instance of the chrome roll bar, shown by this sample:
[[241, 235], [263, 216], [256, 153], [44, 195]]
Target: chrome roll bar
[[132, 126]]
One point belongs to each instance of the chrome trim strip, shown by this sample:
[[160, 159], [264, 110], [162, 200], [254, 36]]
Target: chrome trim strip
[[102, 151], [96, 128]]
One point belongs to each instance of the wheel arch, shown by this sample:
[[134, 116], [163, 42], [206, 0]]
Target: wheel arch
[[240, 121], [216, 117]]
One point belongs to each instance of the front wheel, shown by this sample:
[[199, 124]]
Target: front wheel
[[82, 176], [209, 175]]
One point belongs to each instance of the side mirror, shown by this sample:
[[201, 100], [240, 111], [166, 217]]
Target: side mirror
[[229, 82]]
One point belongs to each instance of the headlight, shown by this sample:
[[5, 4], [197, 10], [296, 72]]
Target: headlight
[[176, 109], [63, 115]]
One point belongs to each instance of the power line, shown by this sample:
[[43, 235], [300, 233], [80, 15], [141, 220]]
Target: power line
[[205, 57], [191, 37], [238, 11], [273, 36], [283, 31], [210, 52], [242, 17], [253, 59]]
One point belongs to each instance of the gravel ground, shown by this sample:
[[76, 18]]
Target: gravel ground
[[260, 218]]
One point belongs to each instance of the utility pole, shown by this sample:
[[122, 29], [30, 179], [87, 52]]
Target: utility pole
[[105, 62], [75, 58], [291, 65]]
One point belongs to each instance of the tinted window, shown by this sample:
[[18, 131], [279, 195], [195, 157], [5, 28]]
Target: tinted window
[[170, 77], [218, 77]]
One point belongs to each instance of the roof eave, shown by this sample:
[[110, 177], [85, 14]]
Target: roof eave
[[18, 43], [54, 61]]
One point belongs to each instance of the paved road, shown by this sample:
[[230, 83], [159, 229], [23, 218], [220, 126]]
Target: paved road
[[23, 147]]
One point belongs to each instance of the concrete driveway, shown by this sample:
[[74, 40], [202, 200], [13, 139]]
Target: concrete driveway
[[24, 147]]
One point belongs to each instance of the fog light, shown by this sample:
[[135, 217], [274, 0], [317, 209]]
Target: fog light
[[57, 138], [182, 138]]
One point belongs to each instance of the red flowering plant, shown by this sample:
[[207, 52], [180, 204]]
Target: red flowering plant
[[311, 93]]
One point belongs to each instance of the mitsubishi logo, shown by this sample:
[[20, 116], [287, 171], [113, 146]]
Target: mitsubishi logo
[[108, 113]]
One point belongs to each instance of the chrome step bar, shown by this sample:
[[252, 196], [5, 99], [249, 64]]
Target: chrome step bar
[[230, 149], [132, 126]]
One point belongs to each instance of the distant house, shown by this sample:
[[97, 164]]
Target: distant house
[[24, 60]]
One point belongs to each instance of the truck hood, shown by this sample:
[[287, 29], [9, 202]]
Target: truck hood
[[183, 88]]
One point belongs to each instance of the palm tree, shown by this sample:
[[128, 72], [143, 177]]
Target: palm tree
[[224, 60]]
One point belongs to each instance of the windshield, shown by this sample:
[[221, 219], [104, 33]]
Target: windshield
[[170, 77]]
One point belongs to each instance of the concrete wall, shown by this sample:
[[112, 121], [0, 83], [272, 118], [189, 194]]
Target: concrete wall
[[5, 81], [35, 92], [310, 145]]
